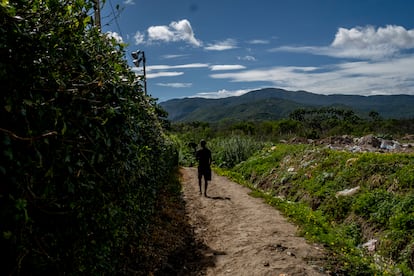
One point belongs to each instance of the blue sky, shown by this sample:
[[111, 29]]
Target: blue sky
[[220, 48]]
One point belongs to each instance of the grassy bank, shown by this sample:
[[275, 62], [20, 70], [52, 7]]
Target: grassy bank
[[342, 200]]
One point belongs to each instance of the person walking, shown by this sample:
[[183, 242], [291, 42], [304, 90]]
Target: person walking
[[204, 159]]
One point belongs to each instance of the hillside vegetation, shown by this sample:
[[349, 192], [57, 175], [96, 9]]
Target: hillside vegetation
[[275, 104]]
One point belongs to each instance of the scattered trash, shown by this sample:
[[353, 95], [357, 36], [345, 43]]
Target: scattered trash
[[369, 140], [370, 245], [327, 175], [367, 143], [348, 192], [390, 145]]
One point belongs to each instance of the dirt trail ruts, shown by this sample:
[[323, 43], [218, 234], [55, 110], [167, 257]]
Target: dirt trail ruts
[[243, 235]]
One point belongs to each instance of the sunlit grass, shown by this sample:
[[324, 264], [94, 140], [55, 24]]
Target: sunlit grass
[[302, 181]]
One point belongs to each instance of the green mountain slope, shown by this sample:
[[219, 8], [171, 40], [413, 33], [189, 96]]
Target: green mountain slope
[[273, 103]]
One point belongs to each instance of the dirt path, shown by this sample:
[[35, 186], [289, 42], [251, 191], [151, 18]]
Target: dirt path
[[243, 235]]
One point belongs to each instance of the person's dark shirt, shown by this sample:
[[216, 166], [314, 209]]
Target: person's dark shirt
[[204, 157]]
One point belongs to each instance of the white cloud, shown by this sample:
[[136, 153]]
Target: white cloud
[[181, 66], [161, 33], [129, 2], [226, 67], [227, 44], [223, 93], [258, 41], [363, 78], [175, 84], [247, 58], [371, 43], [176, 31], [184, 31], [173, 56], [391, 36], [363, 43], [115, 36], [156, 71], [139, 38], [163, 74]]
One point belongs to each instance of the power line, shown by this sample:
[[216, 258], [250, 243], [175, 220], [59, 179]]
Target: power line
[[116, 18]]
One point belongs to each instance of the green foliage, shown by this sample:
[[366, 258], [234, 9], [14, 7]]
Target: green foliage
[[303, 181], [275, 104], [265, 161], [405, 177], [318, 123], [326, 121], [83, 152], [233, 150], [375, 206], [188, 135], [186, 153]]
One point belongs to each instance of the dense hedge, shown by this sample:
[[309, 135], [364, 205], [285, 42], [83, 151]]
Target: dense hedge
[[83, 153]]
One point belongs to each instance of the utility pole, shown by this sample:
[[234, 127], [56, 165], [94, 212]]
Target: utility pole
[[97, 9], [139, 56]]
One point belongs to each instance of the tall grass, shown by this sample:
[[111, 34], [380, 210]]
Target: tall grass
[[229, 151]]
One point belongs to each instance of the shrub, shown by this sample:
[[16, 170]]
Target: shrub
[[83, 152], [230, 151]]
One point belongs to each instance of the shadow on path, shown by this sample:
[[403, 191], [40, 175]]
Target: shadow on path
[[193, 257], [219, 197]]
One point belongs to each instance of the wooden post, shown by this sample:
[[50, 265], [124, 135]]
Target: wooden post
[[97, 9]]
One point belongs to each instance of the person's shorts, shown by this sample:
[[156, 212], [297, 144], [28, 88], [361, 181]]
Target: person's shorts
[[204, 171]]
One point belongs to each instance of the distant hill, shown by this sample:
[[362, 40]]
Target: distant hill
[[274, 104]]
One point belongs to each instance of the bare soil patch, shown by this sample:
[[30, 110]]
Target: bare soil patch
[[237, 234]]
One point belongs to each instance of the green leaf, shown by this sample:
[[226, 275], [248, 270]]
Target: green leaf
[[7, 235], [28, 102], [8, 153], [63, 131]]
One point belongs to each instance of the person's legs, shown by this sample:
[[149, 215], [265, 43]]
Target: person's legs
[[207, 177], [200, 175], [205, 185], [199, 184]]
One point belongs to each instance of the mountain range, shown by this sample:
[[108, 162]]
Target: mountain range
[[275, 104]]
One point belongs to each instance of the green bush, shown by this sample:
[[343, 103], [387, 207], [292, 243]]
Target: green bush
[[376, 206], [230, 151], [83, 152], [406, 177]]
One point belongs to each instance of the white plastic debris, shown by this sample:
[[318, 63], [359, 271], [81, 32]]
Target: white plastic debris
[[370, 245], [348, 192]]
